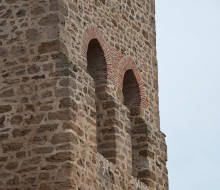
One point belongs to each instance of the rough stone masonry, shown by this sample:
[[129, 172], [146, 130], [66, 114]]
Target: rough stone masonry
[[79, 103]]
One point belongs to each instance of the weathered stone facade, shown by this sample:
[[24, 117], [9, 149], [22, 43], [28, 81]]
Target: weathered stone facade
[[79, 96]]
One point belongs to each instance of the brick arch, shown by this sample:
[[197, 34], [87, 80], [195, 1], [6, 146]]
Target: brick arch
[[92, 32], [125, 64]]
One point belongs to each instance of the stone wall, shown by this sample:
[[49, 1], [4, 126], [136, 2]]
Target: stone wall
[[66, 119]]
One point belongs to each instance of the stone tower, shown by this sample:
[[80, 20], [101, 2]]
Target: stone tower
[[79, 96]]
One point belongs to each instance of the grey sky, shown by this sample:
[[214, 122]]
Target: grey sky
[[188, 44]]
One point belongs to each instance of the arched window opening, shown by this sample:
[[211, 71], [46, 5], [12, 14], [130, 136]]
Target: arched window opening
[[131, 90], [97, 69], [132, 100]]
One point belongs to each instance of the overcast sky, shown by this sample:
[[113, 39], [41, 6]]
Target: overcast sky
[[188, 45]]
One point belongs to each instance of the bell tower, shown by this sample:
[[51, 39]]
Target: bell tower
[[79, 104]]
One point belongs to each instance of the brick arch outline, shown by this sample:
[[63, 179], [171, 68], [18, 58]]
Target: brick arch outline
[[125, 64], [92, 32]]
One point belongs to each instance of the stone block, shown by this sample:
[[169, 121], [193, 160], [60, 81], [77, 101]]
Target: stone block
[[18, 50], [68, 103], [20, 132], [74, 127], [32, 69], [60, 157], [50, 46], [64, 138], [12, 165], [11, 147], [3, 137], [7, 93], [43, 150], [5, 108], [34, 119], [47, 128], [3, 52], [62, 115], [16, 119], [49, 20], [37, 11]]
